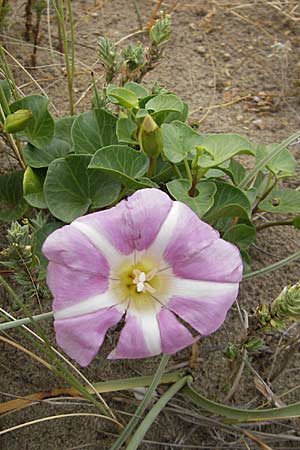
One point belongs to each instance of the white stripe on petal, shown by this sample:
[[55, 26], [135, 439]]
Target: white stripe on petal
[[196, 289], [112, 255], [148, 322], [92, 304], [165, 233]]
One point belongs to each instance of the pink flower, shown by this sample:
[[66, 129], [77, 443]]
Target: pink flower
[[148, 258]]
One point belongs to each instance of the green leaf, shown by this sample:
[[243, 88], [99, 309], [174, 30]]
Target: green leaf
[[203, 200], [229, 201], [235, 171], [163, 171], [238, 414], [63, 129], [123, 163], [179, 139], [93, 130], [140, 91], [283, 165], [103, 189], [261, 164], [223, 146], [37, 158], [242, 235], [165, 108], [33, 183], [39, 237], [40, 128], [70, 189], [126, 130], [12, 203], [281, 201], [125, 97]]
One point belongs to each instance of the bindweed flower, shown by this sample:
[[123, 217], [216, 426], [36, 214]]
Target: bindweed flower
[[149, 259]]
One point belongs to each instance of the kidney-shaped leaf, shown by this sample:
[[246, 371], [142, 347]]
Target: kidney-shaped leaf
[[122, 163], [36, 157], [229, 201], [203, 200], [126, 130], [40, 127], [223, 146], [93, 130], [283, 165], [179, 139], [282, 201], [125, 97], [70, 189], [241, 234], [12, 203]]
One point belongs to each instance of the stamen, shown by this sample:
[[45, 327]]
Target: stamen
[[141, 278]]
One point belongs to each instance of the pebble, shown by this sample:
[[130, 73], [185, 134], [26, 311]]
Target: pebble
[[201, 50], [258, 123]]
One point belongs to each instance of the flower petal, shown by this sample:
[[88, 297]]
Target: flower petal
[[131, 225], [70, 287], [81, 337], [174, 336], [203, 305], [68, 247], [179, 233], [140, 337], [218, 261]]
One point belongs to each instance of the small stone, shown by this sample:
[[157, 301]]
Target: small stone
[[240, 118], [201, 50], [258, 123], [226, 56]]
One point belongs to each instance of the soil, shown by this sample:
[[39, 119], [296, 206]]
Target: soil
[[237, 65]]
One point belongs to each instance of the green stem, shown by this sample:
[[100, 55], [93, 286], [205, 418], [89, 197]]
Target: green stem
[[151, 167], [25, 321], [188, 170], [272, 267], [155, 411], [143, 405], [8, 74], [237, 414], [177, 171], [95, 90], [4, 102], [62, 371], [274, 224], [265, 195], [59, 10], [137, 14]]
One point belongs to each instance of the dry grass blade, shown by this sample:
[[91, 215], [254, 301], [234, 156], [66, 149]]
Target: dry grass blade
[[60, 416]]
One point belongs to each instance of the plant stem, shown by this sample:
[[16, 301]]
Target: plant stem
[[61, 371], [274, 224], [154, 412], [265, 195], [177, 171], [25, 321], [272, 267], [143, 405], [151, 167], [188, 170], [137, 14], [59, 10]]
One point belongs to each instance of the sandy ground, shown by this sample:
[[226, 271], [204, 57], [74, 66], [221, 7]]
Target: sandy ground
[[224, 58]]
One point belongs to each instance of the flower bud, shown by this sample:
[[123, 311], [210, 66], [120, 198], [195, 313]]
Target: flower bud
[[17, 121], [150, 137]]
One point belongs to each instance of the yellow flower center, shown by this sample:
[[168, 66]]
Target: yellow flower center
[[141, 281]]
